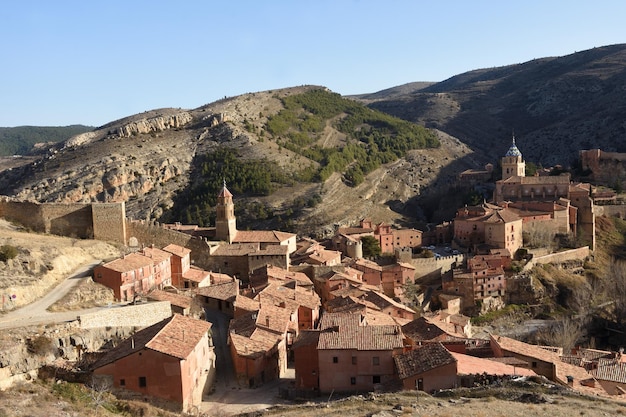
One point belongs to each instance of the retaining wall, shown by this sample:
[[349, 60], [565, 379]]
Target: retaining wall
[[568, 255], [141, 315]]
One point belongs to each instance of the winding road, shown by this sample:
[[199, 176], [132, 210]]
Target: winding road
[[36, 313]]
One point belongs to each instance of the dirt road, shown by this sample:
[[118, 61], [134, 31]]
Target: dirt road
[[36, 313]]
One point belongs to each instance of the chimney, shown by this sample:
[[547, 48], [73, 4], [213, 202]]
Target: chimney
[[267, 321]]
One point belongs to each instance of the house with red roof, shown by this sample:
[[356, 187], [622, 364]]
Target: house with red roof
[[258, 344], [133, 275], [350, 356], [173, 360]]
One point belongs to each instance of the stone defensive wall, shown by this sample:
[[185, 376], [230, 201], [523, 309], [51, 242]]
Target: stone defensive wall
[[140, 315], [102, 221], [425, 266], [559, 257]]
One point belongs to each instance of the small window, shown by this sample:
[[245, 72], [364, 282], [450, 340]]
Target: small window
[[142, 382], [354, 360], [376, 379], [352, 381], [375, 360], [534, 364], [122, 382], [335, 359]]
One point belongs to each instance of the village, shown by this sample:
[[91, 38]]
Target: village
[[331, 313]]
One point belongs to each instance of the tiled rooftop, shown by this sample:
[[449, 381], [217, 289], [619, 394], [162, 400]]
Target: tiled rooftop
[[471, 365], [344, 331], [176, 336], [180, 336], [175, 299], [422, 359], [262, 236], [195, 274], [130, 262], [226, 291], [179, 251], [156, 254]]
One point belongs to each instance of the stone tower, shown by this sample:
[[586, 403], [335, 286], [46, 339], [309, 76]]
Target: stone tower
[[512, 163], [225, 223]]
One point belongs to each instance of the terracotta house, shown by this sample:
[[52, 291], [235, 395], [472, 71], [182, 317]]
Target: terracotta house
[[428, 368], [305, 302], [180, 263], [132, 275], [354, 356], [258, 344], [173, 360]]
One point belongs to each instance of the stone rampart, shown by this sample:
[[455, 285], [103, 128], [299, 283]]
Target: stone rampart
[[559, 257], [140, 315], [109, 222], [425, 266], [103, 221]]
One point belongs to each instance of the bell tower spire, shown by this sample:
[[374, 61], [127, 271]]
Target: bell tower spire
[[513, 165], [226, 222]]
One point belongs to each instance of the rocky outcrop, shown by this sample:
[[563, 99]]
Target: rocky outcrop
[[154, 124]]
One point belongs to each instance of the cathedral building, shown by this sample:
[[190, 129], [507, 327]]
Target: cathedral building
[[516, 190]]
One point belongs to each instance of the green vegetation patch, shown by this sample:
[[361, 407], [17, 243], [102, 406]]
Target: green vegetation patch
[[373, 138], [20, 140], [242, 177]]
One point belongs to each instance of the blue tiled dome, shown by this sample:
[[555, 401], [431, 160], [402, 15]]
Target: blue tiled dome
[[513, 151]]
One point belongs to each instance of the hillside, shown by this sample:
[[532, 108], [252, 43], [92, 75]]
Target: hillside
[[168, 164], [23, 140], [555, 106]]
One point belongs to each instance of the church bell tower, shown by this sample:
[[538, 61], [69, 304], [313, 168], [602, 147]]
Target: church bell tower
[[512, 163], [226, 223]]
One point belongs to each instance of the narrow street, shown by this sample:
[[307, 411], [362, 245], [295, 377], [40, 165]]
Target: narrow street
[[228, 398]]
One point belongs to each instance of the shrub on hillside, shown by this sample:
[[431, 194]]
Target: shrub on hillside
[[7, 252]]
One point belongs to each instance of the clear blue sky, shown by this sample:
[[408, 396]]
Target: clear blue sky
[[94, 61]]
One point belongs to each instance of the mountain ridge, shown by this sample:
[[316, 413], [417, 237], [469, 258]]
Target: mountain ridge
[[554, 106]]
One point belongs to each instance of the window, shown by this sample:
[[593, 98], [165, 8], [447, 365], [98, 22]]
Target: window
[[534, 364], [142, 382], [375, 360], [335, 359], [376, 379], [122, 382], [352, 381], [354, 360]]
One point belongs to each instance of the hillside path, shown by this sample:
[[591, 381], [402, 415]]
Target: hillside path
[[36, 313]]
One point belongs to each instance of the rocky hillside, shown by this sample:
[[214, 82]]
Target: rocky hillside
[[149, 159], [555, 106]]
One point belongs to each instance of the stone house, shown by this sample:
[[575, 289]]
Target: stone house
[[388, 238], [241, 259], [172, 360], [220, 297], [180, 262]]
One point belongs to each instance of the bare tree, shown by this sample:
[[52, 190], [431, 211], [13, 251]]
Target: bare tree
[[100, 389]]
